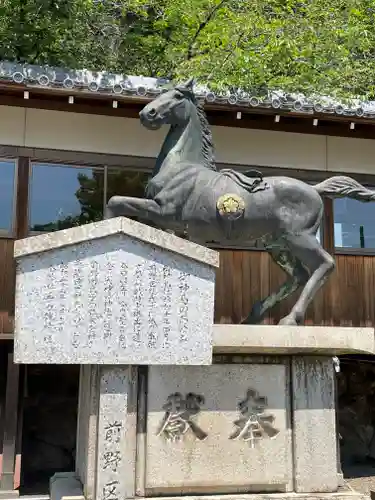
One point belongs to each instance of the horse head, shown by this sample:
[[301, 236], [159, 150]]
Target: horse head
[[173, 107]]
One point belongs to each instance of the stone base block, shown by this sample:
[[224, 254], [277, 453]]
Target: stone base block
[[9, 494], [272, 496], [257, 424], [106, 432], [222, 429], [246, 424], [254, 424], [65, 486], [284, 339]]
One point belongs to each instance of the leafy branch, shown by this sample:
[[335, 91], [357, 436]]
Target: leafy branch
[[202, 26], [320, 46]]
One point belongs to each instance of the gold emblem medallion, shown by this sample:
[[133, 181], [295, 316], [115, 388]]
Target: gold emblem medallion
[[231, 206]]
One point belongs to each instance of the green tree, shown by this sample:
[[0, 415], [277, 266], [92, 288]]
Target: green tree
[[312, 46]]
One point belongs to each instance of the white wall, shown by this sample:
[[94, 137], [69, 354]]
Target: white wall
[[36, 128]]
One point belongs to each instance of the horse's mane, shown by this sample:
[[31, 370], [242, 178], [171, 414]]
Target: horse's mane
[[207, 142]]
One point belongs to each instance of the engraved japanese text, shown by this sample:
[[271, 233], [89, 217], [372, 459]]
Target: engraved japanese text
[[178, 418], [255, 422], [183, 285]]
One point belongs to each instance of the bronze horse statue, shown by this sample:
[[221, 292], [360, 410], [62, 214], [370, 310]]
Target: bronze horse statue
[[186, 191]]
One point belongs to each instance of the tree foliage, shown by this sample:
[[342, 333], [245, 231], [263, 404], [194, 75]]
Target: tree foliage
[[312, 46]]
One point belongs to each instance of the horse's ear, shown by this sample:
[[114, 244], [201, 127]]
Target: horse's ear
[[187, 88], [189, 84]]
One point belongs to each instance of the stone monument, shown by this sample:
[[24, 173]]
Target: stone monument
[[87, 295]]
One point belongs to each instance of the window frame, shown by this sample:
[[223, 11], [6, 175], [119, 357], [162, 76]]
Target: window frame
[[104, 168], [347, 250], [11, 232], [52, 165]]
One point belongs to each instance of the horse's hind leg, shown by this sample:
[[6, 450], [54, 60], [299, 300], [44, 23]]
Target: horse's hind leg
[[308, 250], [298, 276]]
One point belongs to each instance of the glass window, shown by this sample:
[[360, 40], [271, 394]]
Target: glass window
[[319, 234], [354, 224], [7, 190], [64, 196], [125, 182]]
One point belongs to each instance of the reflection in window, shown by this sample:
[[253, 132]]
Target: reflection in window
[[65, 196], [354, 224], [126, 183], [7, 178]]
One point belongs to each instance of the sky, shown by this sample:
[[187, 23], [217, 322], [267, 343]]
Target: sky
[[52, 193]]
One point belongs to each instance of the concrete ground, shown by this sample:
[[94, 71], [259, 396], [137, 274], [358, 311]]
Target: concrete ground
[[360, 478]]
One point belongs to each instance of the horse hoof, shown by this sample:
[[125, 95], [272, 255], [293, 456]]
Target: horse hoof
[[288, 320]]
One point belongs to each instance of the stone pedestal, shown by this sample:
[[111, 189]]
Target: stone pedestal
[[252, 426], [171, 405]]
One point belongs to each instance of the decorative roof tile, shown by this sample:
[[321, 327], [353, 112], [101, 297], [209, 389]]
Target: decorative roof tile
[[116, 85]]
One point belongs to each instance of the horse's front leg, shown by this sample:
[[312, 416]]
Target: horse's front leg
[[128, 206]]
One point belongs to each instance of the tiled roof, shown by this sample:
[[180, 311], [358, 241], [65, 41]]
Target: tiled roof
[[127, 86]]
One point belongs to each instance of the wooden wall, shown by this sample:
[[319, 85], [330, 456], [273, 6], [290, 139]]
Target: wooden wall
[[347, 299], [7, 284]]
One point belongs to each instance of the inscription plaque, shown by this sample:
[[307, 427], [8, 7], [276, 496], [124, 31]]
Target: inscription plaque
[[219, 459], [113, 300]]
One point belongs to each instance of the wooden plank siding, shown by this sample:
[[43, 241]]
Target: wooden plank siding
[[7, 286], [246, 276]]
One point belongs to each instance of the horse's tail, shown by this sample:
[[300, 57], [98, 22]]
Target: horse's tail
[[340, 186]]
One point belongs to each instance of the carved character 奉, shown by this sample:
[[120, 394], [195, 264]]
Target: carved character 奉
[[187, 192]]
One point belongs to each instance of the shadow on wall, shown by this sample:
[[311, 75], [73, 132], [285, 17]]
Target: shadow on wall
[[49, 425]]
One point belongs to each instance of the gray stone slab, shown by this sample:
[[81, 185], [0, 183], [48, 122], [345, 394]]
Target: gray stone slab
[[113, 300], [314, 425], [283, 339], [116, 438], [118, 225], [352, 495], [218, 449], [65, 486]]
